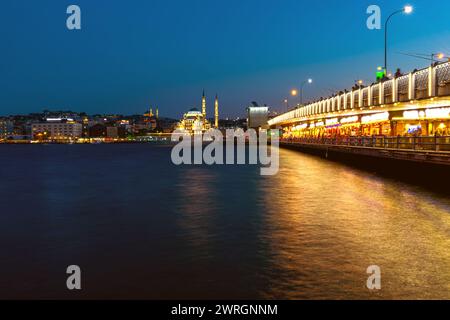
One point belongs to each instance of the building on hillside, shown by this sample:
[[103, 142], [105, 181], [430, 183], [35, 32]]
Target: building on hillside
[[56, 129], [97, 131], [6, 129]]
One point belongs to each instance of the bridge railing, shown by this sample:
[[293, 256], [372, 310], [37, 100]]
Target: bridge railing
[[420, 143]]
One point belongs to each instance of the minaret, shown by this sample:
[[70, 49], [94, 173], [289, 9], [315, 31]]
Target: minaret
[[157, 113], [204, 105], [216, 112]]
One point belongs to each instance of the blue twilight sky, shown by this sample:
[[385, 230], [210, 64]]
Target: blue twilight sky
[[136, 53]]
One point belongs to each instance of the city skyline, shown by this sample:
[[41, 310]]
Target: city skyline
[[125, 74]]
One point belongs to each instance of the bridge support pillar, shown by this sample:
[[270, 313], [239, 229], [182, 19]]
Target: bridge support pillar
[[360, 98], [352, 99], [381, 92], [394, 90], [411, 86], [432, 82]]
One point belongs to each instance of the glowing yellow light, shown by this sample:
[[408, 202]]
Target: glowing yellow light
[[294, 92]]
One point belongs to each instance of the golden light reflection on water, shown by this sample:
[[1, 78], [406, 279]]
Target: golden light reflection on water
[[326, 223], [197, 207]]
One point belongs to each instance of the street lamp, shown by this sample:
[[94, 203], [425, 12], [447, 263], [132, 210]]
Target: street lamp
[[439, 56], [294, 93], [301, 89], [407, 10]]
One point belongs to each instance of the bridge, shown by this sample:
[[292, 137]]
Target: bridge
[[404, 115]]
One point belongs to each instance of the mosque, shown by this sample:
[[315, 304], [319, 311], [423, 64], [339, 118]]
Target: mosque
[[195, 121]]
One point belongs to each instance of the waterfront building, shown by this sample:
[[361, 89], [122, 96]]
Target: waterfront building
[[257, 116], [167, 125], [143, 127], [195, 121], [112, 132], [415, 104], [57, 129], [6, 129], [97, 131], [85, 127]]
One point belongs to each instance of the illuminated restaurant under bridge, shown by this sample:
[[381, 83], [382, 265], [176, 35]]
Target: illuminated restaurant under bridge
[[415, 104]]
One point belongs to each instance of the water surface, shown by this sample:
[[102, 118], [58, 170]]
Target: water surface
[[140, 227]]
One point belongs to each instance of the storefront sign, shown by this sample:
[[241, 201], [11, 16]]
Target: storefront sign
[[411, 114], [331, 122], [320, 124], [377, 117], [300, 127], [352, 119], [440, 113]]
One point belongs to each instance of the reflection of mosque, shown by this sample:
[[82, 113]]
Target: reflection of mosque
[[195, 121]]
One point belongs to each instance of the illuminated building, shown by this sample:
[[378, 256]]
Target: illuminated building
[[57, 129], [85, 127], [6, 129], [194, 121]]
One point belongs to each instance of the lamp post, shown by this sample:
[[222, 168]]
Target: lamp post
[[439, 56], [301, 89], [294, 93], [407, 10]]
